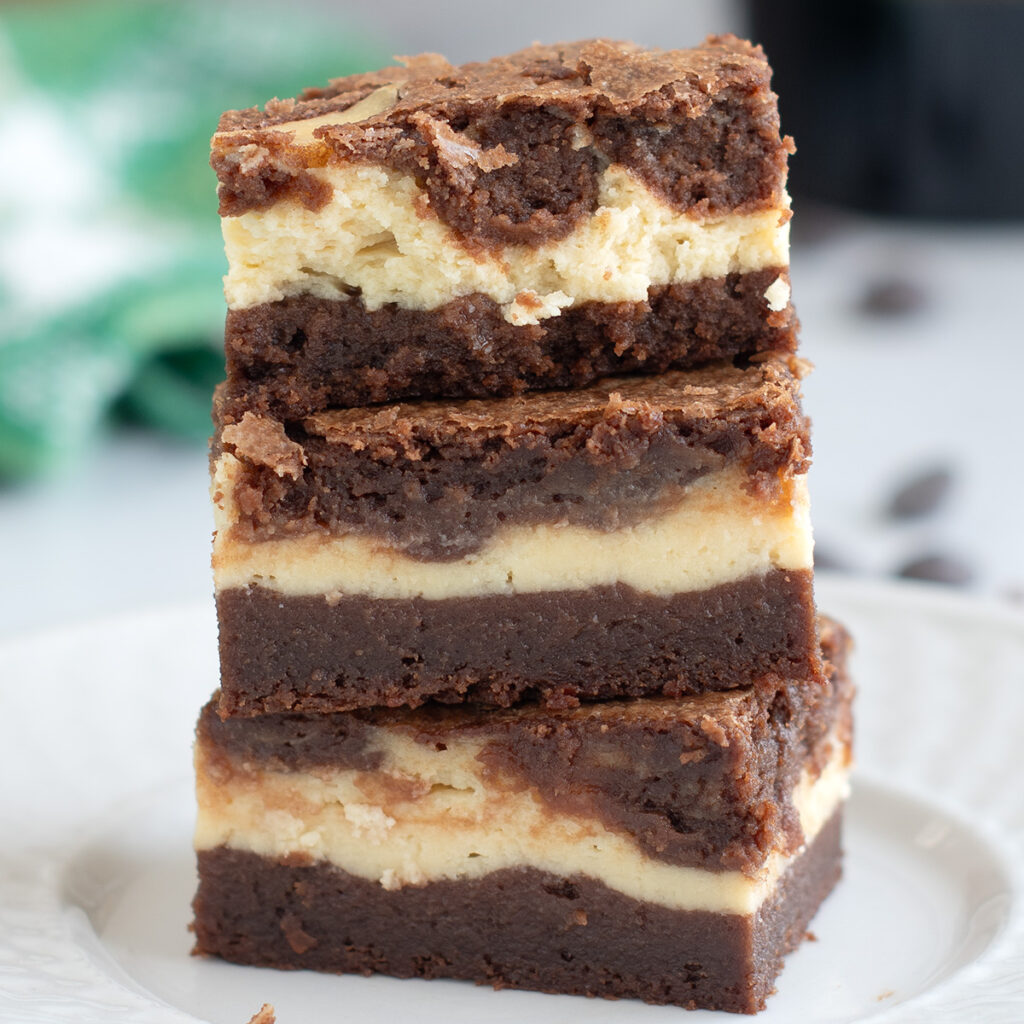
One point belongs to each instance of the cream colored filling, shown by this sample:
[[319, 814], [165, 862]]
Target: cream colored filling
[[429, 815], [718, 533], [376, 235]]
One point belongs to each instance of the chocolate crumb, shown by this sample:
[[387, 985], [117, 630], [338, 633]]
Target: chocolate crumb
[[937, 568], [298, 938], [893, 297], [263, 441], [920, 495], [714, 731]]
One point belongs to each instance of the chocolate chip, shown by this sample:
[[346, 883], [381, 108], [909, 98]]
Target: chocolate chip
[[920, 495], [937, 568], [892, 296]]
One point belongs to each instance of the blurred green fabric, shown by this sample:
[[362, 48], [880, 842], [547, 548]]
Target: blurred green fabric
[[110, 250]]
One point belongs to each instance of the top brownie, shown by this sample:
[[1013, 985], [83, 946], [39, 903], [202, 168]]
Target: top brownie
[[436, 231], [509, 150]]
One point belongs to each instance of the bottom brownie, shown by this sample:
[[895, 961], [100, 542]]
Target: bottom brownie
[[518, 928]]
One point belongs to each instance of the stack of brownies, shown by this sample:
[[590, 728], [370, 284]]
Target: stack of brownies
[[521, 675]]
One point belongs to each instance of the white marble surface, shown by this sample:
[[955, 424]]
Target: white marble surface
[[890, 395]]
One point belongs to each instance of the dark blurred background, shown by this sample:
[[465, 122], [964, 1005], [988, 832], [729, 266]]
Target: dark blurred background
[[908, 253]]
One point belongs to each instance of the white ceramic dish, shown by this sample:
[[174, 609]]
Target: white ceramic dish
[[96, 870]]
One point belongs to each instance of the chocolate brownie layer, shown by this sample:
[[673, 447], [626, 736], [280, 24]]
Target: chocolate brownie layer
[[518, 928], [704, 781], [281, 653], [301, 355], [508, 151], [437, 480]]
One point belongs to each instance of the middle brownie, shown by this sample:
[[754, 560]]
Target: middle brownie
[[642, 536]]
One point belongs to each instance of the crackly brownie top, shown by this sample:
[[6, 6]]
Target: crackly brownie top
[[705, 400], [509, 150], [590, 73]]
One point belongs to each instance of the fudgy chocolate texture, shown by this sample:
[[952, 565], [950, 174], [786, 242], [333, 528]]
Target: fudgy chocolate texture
[[302, 355], [436, 480], [508, 151], [511, 929], [705, 781], [281, 653]]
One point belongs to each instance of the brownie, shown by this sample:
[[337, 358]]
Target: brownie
[[535, 221], [436, 480]]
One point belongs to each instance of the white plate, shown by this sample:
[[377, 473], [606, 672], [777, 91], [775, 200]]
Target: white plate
[[96, 869]]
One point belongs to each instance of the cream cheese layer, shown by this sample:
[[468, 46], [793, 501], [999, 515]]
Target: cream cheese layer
[[718, 533], [428, 815], [379, 239]]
